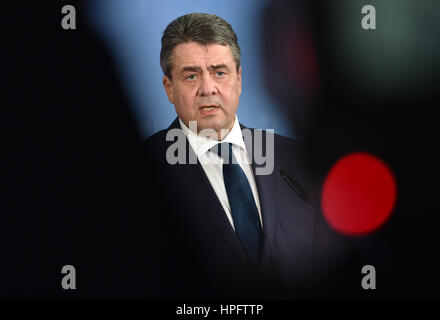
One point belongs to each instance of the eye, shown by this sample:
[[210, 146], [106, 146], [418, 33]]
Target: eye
[[220, 74], [191, 77]]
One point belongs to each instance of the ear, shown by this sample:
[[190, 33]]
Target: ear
[[239, 80], [168, 85]]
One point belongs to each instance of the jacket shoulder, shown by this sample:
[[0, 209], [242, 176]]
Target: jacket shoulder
[[291, 144], [156, 139], [280, 140]]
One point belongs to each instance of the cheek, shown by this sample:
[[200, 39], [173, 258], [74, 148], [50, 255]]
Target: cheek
[[185, 98], [232, 95]]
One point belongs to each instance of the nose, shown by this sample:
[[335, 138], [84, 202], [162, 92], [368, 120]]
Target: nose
[[207, 87]]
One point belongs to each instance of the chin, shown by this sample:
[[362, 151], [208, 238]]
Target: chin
[[213, 124]]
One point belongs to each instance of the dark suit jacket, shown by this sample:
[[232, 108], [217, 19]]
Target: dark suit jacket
[[201, 254]]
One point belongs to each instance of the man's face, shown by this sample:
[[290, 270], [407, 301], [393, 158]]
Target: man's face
[[205, 85]]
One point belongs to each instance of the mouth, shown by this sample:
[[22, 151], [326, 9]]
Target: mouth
[[208, 108]]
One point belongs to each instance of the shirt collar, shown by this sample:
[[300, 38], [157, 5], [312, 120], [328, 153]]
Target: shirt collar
[[201, 144]]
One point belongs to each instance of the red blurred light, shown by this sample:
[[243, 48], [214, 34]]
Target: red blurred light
[[359, 194]]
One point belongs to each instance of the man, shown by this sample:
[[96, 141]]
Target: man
[[227, 229]]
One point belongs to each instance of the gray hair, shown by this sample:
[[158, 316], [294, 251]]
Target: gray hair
[[202, 28]]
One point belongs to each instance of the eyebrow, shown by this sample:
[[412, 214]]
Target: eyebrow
[[190, 68], [219, 66], [198, 69]]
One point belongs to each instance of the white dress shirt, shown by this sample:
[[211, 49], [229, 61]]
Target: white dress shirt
[[213, 164]]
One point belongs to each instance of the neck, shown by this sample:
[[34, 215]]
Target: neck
[[218, 135]]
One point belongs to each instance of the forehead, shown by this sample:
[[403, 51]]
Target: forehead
[[195, 54]]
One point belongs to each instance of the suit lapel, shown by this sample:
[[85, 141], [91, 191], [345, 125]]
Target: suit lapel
[[266, 184], [269, 211], [275, 205], [194, 181]]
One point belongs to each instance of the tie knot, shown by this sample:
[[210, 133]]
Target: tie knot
[[223, 150]]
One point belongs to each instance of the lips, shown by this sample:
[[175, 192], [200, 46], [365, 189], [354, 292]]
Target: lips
[[208, 107]]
